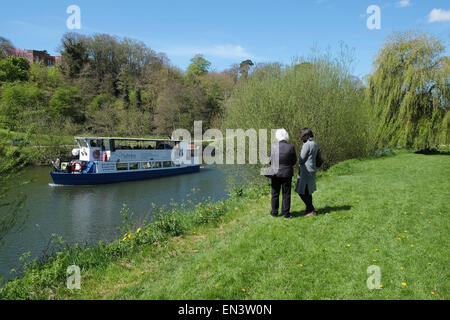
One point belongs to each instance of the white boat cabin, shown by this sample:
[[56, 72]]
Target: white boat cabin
[[119, 154]]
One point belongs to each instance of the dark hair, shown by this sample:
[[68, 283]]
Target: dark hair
[[308, 132]]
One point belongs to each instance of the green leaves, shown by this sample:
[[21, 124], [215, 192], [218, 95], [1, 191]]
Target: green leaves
[[409, 92], [14, 69]]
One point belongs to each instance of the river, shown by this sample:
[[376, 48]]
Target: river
[[88, 214]]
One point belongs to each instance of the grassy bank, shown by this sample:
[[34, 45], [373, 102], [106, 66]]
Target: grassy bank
[[391, 212]]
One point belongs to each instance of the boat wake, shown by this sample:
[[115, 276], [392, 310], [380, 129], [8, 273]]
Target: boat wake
[[53, 185]]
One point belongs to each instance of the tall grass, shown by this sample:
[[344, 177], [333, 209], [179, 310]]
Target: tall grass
[[317, 92]]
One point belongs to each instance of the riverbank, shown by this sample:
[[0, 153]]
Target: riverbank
[[390, 211]]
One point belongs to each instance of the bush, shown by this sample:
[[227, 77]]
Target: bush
[[20, 104], [318, 92]]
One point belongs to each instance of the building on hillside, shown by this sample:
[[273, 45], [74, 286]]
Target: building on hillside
[[35, 56]]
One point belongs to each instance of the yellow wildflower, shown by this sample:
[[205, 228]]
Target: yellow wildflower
[[404, 284]]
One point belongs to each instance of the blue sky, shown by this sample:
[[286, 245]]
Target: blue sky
[[227, 32]]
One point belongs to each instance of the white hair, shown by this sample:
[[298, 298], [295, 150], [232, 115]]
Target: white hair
[[282, 135]]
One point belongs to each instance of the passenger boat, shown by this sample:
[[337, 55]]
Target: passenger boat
[[103, 160]]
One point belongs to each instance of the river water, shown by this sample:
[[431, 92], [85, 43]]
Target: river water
[[89, 214]]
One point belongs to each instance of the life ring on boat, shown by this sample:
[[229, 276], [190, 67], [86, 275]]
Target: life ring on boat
[[96, 154], [76, 166]]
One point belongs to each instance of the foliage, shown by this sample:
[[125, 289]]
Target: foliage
[[6, 47], [65, 102], [11, 205], [244, 68], [14, 69], [409, 91], [198, 67], [21, 104], [316, 92]]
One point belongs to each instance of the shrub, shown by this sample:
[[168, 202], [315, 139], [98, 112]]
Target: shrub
[[318, 92]]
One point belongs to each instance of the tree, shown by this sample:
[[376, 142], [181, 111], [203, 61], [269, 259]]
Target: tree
[[199, 66], [6, 47], [244, 68], [14, 69], [138, 99], [65, 102], [409, 92], [21, 104], [321, 97], [74, 53]]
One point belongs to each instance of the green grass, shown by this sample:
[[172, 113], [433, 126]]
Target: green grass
[[391, 212]]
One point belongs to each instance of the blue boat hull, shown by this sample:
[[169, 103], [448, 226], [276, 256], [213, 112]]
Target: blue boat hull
[[73, 179]]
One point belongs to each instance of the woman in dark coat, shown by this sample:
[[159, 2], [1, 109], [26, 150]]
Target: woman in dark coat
[[283, 159], [306, 184]]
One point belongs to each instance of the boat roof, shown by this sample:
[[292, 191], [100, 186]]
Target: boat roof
[[128, 139]]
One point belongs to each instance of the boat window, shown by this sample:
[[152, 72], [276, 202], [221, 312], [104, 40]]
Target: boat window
[[156, 164], [112, 145], [163, 145], [167, 164], [98, 143], [146, 165], [82, 143], [149, 145], [134, 166], [122, 166]]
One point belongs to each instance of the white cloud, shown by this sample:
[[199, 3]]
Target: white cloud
[[404, 3], [439, 15], [223, 51]]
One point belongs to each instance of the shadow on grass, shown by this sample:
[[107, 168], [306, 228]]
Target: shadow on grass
[[433, 152], [322, 211]]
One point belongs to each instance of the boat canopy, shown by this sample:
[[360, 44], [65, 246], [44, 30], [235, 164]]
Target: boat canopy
[[126, 139]]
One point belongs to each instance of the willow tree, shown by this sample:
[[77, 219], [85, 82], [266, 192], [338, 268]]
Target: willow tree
[[409, 92]]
